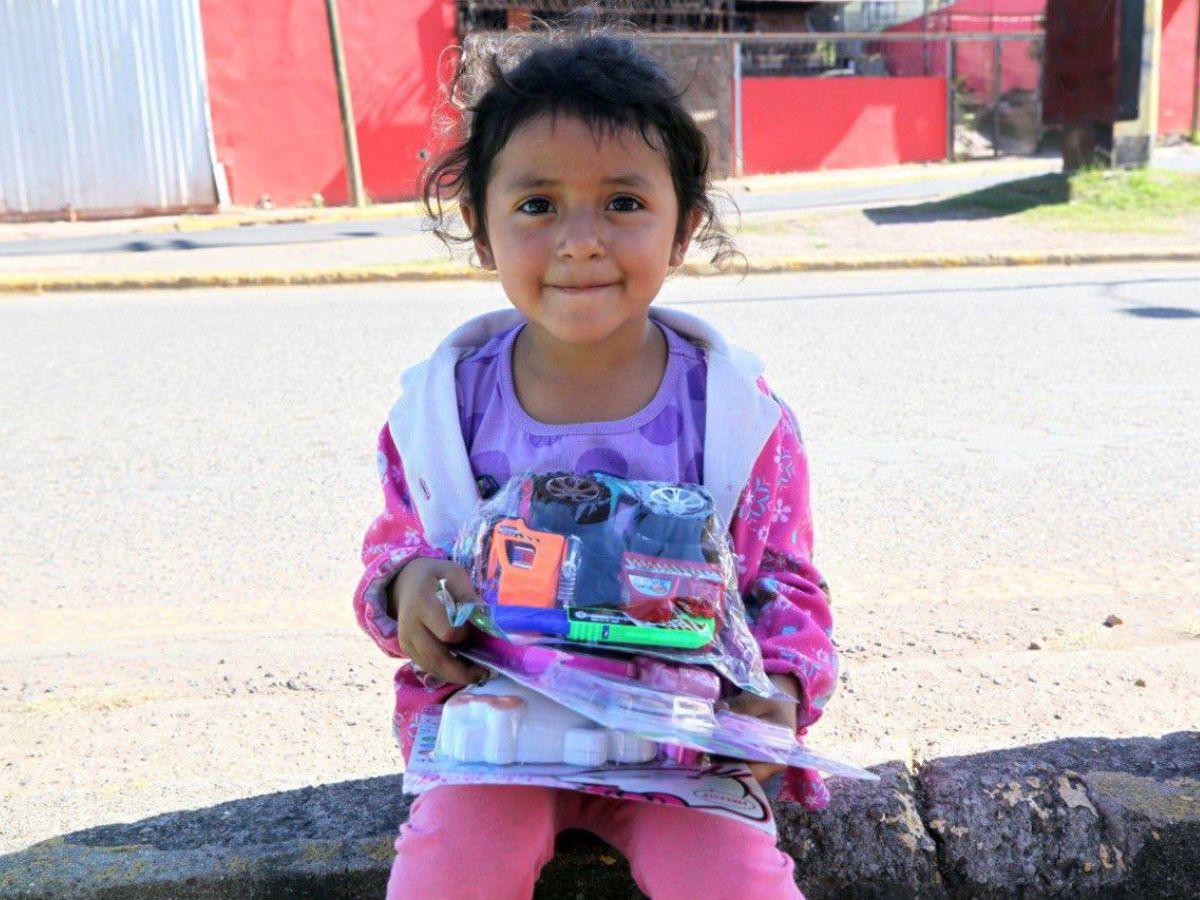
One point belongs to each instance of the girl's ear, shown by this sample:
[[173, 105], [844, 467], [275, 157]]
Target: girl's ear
[[680, 249], [481, 247]]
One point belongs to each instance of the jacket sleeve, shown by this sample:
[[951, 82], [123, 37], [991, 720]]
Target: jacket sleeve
[[787, 601], [395, 537]]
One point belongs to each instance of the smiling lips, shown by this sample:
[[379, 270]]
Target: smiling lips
[[580, 289]]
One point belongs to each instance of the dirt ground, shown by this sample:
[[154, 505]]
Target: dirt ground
[[999, 466], [903, 231]]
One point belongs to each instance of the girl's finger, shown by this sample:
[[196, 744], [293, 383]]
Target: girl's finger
[[458, 583], [764, 771], [748, 705], [431, 655], [433, 613], [433, 616]]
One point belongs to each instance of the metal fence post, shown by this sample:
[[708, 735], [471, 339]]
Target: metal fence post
[[996, 86], [1196, 87], [738, 148], [349, 136], [1041, 93], [949, 98]]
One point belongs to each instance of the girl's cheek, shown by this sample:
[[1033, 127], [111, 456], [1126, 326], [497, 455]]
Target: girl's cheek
[[527, 233]]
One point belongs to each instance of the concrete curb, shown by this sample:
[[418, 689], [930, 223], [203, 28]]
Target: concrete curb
[[1074, 817], [39, 283]]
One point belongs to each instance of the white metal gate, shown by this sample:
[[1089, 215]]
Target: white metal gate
[[103, 108]]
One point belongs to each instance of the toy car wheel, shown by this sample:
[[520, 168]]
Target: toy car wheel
[[674, 521], [678, 501], [586, 497], [574, 488]]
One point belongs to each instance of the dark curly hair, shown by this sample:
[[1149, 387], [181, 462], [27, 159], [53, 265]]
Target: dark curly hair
[[597, 75]]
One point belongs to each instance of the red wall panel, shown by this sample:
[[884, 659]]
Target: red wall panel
[[274, 103], [795, 124], [1177, 68]]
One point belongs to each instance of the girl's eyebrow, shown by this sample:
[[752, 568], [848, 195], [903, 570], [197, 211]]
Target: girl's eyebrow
[[528, 182]]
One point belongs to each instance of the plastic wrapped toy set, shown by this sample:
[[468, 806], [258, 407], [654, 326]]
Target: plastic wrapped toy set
[[502, 722], [675, 707], [603, 562], [609, 613], [725, 789]]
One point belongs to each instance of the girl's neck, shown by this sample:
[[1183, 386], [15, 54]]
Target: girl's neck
[[635, 345], [560, 383]]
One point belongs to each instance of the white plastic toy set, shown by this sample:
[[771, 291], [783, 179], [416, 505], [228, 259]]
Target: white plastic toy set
[[612, 623], [501, 723]]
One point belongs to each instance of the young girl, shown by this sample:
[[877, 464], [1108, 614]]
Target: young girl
[[583, 180]]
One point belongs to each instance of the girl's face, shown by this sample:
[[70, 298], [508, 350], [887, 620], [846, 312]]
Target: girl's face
[[580, 230]]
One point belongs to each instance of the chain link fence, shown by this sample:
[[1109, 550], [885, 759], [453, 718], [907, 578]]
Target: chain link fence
[[653, 15], [992, 78], [703, 68]]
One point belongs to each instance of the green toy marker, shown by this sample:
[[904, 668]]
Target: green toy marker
[[603, 626]]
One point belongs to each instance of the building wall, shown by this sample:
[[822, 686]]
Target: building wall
[[102, 110], [793, 124], [1177, 66], [274, 100]]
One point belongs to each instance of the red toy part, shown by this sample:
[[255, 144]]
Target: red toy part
[[655, 589]]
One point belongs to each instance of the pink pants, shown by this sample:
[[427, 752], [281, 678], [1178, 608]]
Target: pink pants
[[491, 841]]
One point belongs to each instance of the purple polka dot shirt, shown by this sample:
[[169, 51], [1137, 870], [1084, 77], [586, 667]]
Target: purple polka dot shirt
[[664, 441]]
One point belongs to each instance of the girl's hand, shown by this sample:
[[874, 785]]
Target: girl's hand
[[423, 629], [778, 712]]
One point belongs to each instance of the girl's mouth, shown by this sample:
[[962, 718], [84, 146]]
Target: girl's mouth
[[581, 290]]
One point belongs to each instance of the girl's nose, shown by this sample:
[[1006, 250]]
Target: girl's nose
[[580, 237]]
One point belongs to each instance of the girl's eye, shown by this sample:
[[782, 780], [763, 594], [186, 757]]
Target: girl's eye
[[627, 204], [535, 206], [539, 206]]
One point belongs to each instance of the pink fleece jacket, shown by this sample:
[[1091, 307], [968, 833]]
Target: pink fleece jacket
[[772, 534]]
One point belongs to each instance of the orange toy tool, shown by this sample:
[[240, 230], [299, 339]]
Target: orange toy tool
[[525, 564]]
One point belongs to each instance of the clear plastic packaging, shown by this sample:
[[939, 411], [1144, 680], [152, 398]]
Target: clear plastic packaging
[[593, 560], [504, 723], [677, 777], [626, 703]]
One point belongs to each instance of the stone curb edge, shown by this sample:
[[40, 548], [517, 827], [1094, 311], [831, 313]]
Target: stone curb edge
[[35, 283], [1071, 817], [59, 869]]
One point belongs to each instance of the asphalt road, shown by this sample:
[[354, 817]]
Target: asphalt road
[[999, 458]]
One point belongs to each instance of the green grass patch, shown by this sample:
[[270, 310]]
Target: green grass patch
[[1141, 200], [1134, 198]]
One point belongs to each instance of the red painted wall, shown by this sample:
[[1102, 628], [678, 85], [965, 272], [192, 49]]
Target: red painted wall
[[274, 103], [795, 124], [1177, 68]]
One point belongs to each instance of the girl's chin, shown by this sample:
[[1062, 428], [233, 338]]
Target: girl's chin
[[580, 332], [580, 326], [580, 337]]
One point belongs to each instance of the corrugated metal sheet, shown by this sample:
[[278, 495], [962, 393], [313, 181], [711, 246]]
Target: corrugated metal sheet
[[102, 107]]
